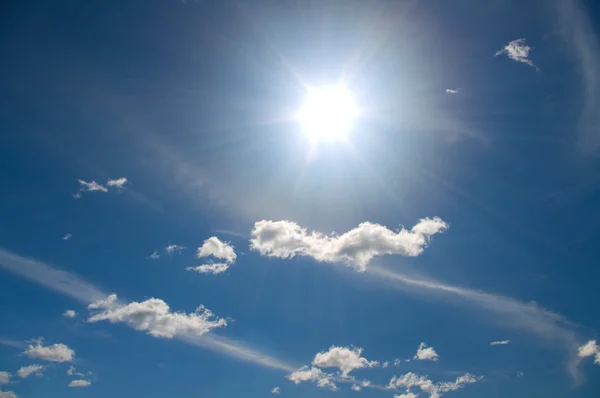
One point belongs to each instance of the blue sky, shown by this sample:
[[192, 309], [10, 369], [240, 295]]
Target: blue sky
[[172, 225]]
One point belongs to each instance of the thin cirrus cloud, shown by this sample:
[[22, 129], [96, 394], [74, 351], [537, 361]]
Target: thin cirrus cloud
[[155, 317], [518, 50], [286, 239], [500, 342], [425, 353], [27, 371], [80, 383], [93, 186], [52, 353], [154, 256], [435, 390], [73, 286], [8, 394]]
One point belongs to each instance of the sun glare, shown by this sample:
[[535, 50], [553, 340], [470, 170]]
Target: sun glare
[[328, 113]]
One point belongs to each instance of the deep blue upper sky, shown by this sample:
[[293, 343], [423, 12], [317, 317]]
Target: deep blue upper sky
[[193, 101]]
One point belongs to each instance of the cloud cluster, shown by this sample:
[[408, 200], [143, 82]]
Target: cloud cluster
[[411, 380], [93, 186], [343, 358], [27, 371], [425, 353], [213, 247], [155, 317], [590, 349], [53, 353], [517, 50], [286, 239]]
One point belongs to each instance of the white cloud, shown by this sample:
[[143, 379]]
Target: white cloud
[[275, 390], [118, 183], [154, 255], [77, 195], [397, 362], [67, 237], [385, 364], [72, 371], [407, 395], [174, 249], [425, 353], [517, 50], [70, 314], [588, 349], [79, 383], [155, 317], [214, 247], [91, 186], [27, 371], [72, 286], [216, 268], [4, 378], [343, 358], [452, 90], [501, 342], [410, 380], [8, 394], [356, 387], [52, 353], [305, 373], [286, 239]]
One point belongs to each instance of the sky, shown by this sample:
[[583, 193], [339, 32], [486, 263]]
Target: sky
[[392, 199]]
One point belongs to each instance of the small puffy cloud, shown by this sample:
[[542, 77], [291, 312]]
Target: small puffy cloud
[[27, 371], [275, 390], [71, 370], [452, 91], [8, 394], [155, 317], [407, 395], [216, 268], [4, 378], [69, 314], [517, 50], [91, 186], [500, 342], [77, 195], [174, 249], [385, 364], [80, 383], [411, 380], [356, 387], [425, 353], [397, 362], [588, 349], [118, 183], [305, 373], [286, 239], [67, 237], [343, 358], [154, 255], [218, 249], [53, 353]]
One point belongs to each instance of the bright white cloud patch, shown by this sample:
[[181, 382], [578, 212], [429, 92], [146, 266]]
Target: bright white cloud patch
[[501, 342], [79, 383], [425, 353], [218, 249], [517, 50], [411, 380], [53, 353], [69, 314], [91, 186], [27, 371], [155, 317], [4, 378], [343, 358], [216, 268], [286, 239], [67, 237], [275, 390], [174, 249], [356, 387], [118, 183], [451, 90], [313, 374], [588, 349], [407, 395]]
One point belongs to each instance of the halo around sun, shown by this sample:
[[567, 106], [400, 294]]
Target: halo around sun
[[328, 113]]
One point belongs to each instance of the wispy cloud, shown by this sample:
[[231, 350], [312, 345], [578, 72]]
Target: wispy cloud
[[70, 314], [286, 239], [67, 236], [518, 50], [119, 183], [91, 186], [171, 249], [4, 377], [80, 383], [8, 394], [275, 390], [76, 288], [154, 255], [214, 268], [501, 342], [435, 390], [452, 91]]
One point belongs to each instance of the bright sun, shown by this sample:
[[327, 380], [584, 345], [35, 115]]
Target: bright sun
[[328, 113]]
